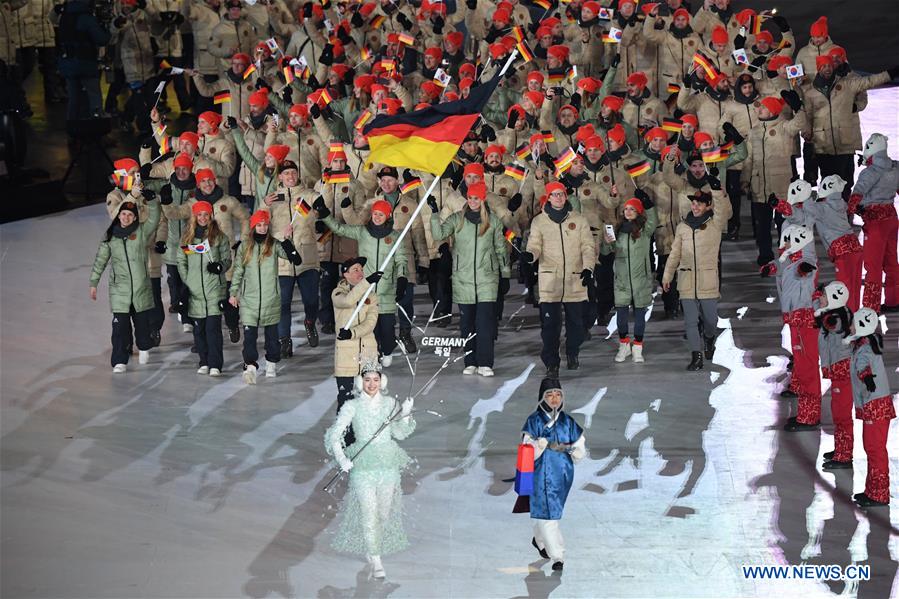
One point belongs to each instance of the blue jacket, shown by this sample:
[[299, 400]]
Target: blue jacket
[[553, 470], [80, 34]]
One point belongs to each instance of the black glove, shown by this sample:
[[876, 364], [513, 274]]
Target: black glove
[[422, 273], [432, 204], [443, 250], [356, 20], [781, 23], [805, 268], [792, 98], [260, 84], [236, 245], [527, 257], [731, 133], [160, 247], [714, 171], [471, 4], [320, 227], [773, 201], [679, 168], [232, 122], [145, 170], [739, 42], [503, 286], [348, 77], [404, 21], [344, 335], [687, 79], [533, 27], [119, 22], [374, 277], [293, 256], [586, 276], [149, 194], [514, 202], [437, 25], [893, 72], [315, 111], [401, 284], [860, 210], [488, 133], [165, 194], [714, 183], [869, 383], [644, 198], [307, 10], [346, 202], [149, 142], [287, 94], [513, 118], [344, 37], [616, 60], [327, 56], [313, 82], [319, 206], [758, 62], [214, 268]]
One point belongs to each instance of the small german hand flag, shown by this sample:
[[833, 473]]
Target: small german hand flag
[[387, 64], [406, 39], [548, 137], [700, 59], [326, 97], [509, 234], [336, 178], [673, 88], [638, 168], [523, 151], [303, 208], [289, 74], [164, 64], [362, 120], [376, 21], [544, 4], [165, 145], [556, 76], [249, 72], [713, 155], [727, 146], [525, 51], [518, 33], [672, 125], [324, 236], [365, 54], [222, 97], [411, 185], [515, 171]]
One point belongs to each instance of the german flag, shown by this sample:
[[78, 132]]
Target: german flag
[[705, 63], [165, 145], [365, 54], [727, 146], [525, 51], [324, 236], [249, 72], [672, 125], [388, 64], [302, 208], [289, 74], [556, 76], [509, 234], [407, 39], [222, 97], [673, 88], [638, 168], [362, 120], [523, 151], [427, 139], [548, 137], [518, 33], [755, 24], [412, 185], [336, 178], [164, 64], [713, 155], [544, 4], [515, 171], [326, 97], [376, 21]]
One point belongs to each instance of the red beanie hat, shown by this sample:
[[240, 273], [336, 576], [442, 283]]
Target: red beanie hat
[[655, 132], [536, 98], [682, 12], [391, 105], [819, 28], [543, 31], [501, 16], [454, 37], [214, 119], [773, 104], [690, 119], [300, 109], [822, 60], [435, 53], [184, 160], [637, 78], [535, 138], [585, 131], [613, 102], [719, 35], [382, 206], [204, 174], [701, 137], [449, 97], [559, 52], [259, 98], [569, 107], [617, 134], [477, 190], [125, 164], [340, 70], [279, 152], [623, 2], [473, 168], [635, 204], [260, 216], [191, 137], [366, 9], [555, 186], [744, 15], [430, 88], [838, 52], [764, 36], [535, 76], [495, 148], [497, 50], [465, 83], [595, 142], [550, 22], [364, 82], [589, 85], [591, 6], [467, 70], [779, 61], [244, 58], [201, 206]]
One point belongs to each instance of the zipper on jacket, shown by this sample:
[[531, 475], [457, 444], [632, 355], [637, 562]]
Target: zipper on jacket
[[695, 268], [475, 263], [259, 273], [130, 274], [764, 170], [564, 262], [203, 286], [630, 279]]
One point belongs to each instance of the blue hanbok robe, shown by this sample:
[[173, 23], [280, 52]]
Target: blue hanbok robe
[[553, 470]]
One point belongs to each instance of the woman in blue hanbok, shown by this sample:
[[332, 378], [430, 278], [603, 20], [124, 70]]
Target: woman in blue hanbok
[[558, 442], [371, 524]]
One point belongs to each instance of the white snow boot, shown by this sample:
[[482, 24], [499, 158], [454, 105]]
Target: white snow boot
[[638, 352], [119, 369], [624, 350], [270, 371], [249, 374]]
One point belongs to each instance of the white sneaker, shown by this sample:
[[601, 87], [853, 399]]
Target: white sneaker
[[386, 361], [203, 370], [270, 371], [485, 371], [638, 353], [215, 372], [249, 375], [624, 350], [143, 357], [469, 370], [187, 328], [119, 369]]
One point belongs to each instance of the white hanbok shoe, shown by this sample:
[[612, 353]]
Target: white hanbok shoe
[[377, 568], [469, 370], [143, 357], [386, 361], [249, 375], [119, 369], [270, 371], [215, 372], [203, 370]]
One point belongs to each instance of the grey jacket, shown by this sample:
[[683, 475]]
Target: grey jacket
[[828, 214], [877, 184], [865, 361], [794, 289]]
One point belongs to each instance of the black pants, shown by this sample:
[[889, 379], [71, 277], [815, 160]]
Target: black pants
[[809, 163], [762, 215], [177, 290], [157, 313], [841, 165], [439, 286], [272, 345], [408, 304], [605, 284], [180, 84], [330, 276], [208, 337], [732, 183], [669, 298], [232, 314], [385, 334], [202, 103], [478, 318], [344, 394], [46, 61], [551, 330], [122, 331]]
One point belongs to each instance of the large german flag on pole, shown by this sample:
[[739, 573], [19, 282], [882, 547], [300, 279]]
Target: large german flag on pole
[[427, 139]]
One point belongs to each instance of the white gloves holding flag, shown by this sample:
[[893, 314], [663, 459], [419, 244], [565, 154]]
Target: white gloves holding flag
[[407, 407]]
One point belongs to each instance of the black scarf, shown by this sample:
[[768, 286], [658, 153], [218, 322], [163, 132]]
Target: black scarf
[[715, 94], [652, 155], [638, 100], [627, 227], [122, 232], [595, 167], [380, 231], [724, 15], [756, 50], [747, 100], [685, 145], [588, 24], [540, 52], [680, 34], [697, 183], [200, 232], [259, 238], [499, 169], [472, 216], [235, 77], [574, 181], [557, 216], [615, 155], [212, 198], [697, 222], [257, 121], [569, 130], [186, 185], [824, 85]]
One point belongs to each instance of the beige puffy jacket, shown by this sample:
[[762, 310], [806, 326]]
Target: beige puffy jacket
[[694, 255], [303, 237], [203, 20], [834, 128], [351, 353], [563, 251], [770, 146]]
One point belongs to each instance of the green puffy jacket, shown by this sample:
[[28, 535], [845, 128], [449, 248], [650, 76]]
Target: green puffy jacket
[[176, 226], [256, 285], [633, 270], [268, 184], [478, 261], [375, 250], [206, 289], [129, 281]]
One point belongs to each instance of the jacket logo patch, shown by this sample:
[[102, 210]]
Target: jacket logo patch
[[224, 209], [405, 209], [502, 191], [572, 226], [586, 192], [132, 237], [212, 150], [388, 240], [839, 86], [605, 179], [249, 88], [309, 142], [649, 111], [367, 301], [772, 133], [690, 43], [756, 103], [344, 189]]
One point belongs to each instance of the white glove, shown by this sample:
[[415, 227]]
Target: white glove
[[542, 443], [345, 464], [407, 407]]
